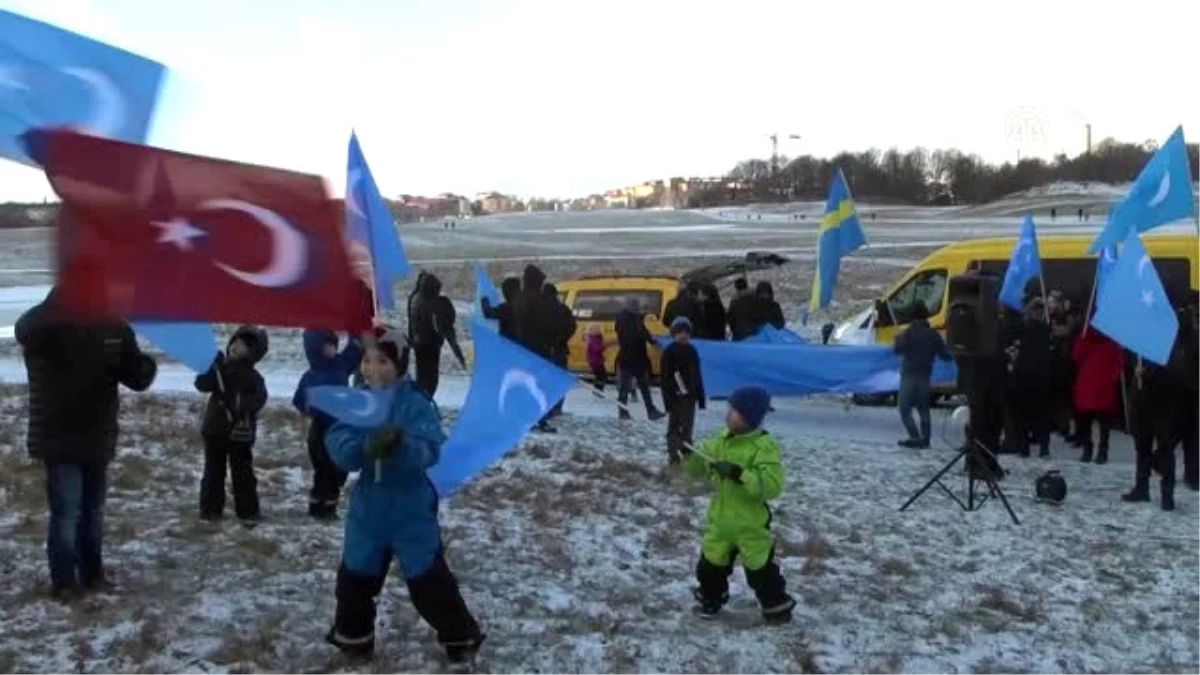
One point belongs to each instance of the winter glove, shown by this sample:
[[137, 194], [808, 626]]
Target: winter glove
[[728, 470], [379, 445]]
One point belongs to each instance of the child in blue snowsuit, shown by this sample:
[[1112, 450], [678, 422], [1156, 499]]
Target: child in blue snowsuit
[[326, 366], [393, 513]]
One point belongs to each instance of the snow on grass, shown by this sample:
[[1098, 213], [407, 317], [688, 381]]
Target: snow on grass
[[577, 553]]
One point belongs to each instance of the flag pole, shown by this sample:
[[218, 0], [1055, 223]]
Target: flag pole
[[1087, 315], [1045, 298]]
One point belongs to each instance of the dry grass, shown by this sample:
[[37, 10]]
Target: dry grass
[[895, 567]]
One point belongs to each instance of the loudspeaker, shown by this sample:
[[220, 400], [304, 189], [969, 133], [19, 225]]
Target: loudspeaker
[[973, 320]]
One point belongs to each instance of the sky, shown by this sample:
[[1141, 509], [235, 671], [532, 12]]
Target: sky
[[562, 99]]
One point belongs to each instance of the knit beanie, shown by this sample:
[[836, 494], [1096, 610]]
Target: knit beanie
[[681, 324], [752, 403]]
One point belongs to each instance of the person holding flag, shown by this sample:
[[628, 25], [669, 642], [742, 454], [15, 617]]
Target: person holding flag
[[394, 513]]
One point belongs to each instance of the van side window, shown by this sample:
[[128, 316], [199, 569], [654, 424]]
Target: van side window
[[928, 287], [604, 305]]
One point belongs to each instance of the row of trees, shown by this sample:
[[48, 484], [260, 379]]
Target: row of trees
[[921, 176]]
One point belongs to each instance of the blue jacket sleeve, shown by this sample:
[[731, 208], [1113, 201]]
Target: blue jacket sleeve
[[345, 444], [350, 356], [423, 435]]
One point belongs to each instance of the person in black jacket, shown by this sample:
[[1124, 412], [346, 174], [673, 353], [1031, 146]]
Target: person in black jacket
[[682, 388], [236, 395], [503, 312], [633, 359], [430, 326], [563, 326], [1030, 401], [685, 304], [533, 322], [712, 315], [741, 311], [74, 369], [918, 346], [764, 310]]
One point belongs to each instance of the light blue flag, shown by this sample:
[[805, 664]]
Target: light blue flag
[[370, 228], [1025, 264], [50, 77], [511, 389], [1133, 308], [484, 288], [771, 335], [1161, 194], [841, 233], [1104, 266], [363, 408], [192, 344]]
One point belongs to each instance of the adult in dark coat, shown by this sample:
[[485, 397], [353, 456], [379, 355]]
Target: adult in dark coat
[[740, 315], [534, 318], [919, 345], [633, 359], [503, 312], [74, 369], [766, 311], [1029, 384], [564, 326], [430, 326], [685, 304], [712, 315]]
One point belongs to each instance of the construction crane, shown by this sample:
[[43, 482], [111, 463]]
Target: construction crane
[[775, 150]]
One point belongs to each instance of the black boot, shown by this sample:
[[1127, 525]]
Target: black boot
[[1045, 449], [362, 649], [1139, 493], [708, 608], [1168, 497], [1087, 453], [461, 655], [1102, 454]]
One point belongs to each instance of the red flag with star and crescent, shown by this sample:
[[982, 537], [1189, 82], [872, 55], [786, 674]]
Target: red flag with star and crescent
[[153, 234]]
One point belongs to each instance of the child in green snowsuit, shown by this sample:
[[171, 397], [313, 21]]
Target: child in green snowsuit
[[742, 461]]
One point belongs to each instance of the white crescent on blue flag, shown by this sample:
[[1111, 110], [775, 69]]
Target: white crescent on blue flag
[[1104, 266], [192, 344], [511, 389], [50, 77], [1024, 264], [1132, 307], [1161, 194], [363, 408], [370, 227]]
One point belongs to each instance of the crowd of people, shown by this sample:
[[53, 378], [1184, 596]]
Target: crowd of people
[[75, 369], [1054, 374]]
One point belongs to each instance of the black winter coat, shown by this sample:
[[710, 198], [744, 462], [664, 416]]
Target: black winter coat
[[238, 396], [74, 370], [564, 326], [685, 306], [534, 314], [632, 340], [681, 364], [712, 320], [741, 316]]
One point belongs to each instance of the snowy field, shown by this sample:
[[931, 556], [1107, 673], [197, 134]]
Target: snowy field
[[577, 550]]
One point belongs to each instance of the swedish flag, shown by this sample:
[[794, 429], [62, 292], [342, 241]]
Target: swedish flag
[[841, 233]]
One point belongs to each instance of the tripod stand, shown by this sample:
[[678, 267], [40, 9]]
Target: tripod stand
[[977, 472]]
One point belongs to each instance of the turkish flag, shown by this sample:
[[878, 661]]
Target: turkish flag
[[153, 234]]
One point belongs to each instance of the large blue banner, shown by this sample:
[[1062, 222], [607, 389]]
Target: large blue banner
[[785, 369]]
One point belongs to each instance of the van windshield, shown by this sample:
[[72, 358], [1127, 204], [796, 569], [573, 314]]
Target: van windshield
[[604, 305], [928, 287]]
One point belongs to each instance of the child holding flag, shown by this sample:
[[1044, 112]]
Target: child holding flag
[[393, 512], [742, 461]]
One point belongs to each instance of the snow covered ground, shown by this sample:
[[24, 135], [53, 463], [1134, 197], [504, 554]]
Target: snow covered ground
[[577, 550]]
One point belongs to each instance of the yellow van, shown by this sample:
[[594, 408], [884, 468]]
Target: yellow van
[[596, 301], [1065, 266]]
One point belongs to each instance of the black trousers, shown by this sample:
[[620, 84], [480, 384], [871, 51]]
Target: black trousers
[[1190, 433], [1027, 419], [681, 420], [599, 377], [219, 452], [626, 376], [768, 584], [560, 359], [1086, 420], [328, 477], [434, 594], [428, 360]]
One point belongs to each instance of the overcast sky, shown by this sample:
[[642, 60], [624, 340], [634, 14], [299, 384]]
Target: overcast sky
[[566, 98]]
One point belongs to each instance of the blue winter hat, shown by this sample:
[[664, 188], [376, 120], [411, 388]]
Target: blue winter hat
[[681, 323], [752, 403]]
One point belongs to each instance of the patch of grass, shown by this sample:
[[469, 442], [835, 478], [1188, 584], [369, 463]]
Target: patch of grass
[[132, 473], [814, 567], [817, 547], [242, 649], [895, 567], [266, 548], [996, 599]]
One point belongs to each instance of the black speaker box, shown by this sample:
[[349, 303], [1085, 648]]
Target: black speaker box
[[972, 318]]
